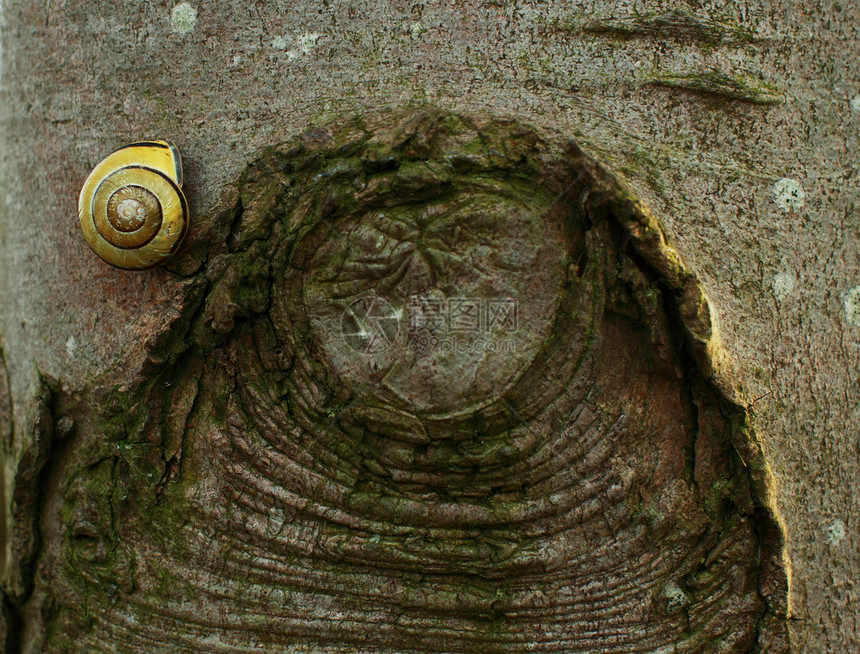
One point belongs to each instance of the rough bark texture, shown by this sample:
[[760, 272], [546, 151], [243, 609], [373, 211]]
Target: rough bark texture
[[141, 469], [306, 461]]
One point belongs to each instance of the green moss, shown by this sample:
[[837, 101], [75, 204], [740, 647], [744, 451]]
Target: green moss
[[741, 88], [673, 24]]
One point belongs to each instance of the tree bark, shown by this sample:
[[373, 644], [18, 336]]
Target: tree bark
[[490, 325]]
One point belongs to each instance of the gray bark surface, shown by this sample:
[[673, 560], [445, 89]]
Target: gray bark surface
[[700, 108]]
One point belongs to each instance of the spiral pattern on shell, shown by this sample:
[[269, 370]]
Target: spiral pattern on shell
[[132, 209]]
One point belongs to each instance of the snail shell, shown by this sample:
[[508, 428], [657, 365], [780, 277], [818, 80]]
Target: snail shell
[[132, 209]]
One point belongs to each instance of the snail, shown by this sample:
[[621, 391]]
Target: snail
[[132, 209]]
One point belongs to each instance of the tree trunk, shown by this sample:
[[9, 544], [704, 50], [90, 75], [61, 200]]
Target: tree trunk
[[491, 323]]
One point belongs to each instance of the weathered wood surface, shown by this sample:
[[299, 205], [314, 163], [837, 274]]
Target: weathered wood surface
[[702, 110]]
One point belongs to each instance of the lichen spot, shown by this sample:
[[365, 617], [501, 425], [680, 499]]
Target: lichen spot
[[676, 599], [855, 104], [852, 306], [301, 45], [789, 194], [183, 17], [784, 285], [281, 42], [307, 41], [835, 532]]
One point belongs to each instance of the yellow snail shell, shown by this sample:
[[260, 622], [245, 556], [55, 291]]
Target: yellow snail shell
[[132, 210]]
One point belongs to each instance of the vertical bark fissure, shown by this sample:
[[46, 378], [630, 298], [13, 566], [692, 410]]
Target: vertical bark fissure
[[771, 631], [12, 621]]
